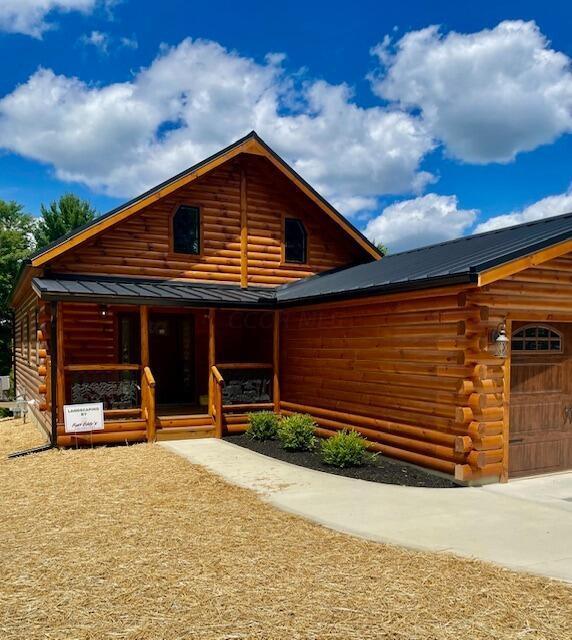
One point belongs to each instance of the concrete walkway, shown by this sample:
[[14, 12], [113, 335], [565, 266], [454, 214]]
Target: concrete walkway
[[525, 525]]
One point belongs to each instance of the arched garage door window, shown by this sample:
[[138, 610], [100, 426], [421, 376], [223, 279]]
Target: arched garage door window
[[537, 338]]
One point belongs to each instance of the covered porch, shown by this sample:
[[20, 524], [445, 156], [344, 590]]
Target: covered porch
[[162, 370]]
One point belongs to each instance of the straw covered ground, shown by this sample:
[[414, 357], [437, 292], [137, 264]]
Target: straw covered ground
[[134, 542]]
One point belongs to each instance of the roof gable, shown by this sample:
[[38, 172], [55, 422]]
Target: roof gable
[[251, 144]]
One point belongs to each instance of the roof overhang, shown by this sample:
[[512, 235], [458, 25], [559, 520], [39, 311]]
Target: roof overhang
[[124, 291]]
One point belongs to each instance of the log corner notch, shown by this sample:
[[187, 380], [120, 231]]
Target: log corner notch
[[43, 358], [482, 413]]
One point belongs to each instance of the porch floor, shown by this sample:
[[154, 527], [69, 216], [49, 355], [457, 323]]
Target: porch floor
[[181, 409]]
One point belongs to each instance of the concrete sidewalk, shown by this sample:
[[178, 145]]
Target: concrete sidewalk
[[525, 525]]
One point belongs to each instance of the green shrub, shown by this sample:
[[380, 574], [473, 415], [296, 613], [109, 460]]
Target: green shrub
[[296, 432], [345, 449], [262, 425]]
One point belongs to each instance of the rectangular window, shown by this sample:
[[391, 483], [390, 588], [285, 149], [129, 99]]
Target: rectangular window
[[295, 241], [27, 338], [129, 338], [186, 230]]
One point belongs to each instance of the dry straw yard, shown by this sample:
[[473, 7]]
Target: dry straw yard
[[133, 542]]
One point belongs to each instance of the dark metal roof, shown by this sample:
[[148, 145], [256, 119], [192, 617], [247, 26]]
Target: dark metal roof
[[154, 292], [455, 261]]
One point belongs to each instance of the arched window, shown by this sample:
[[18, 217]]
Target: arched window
[[187, 230], [537, 338], [295, 241]]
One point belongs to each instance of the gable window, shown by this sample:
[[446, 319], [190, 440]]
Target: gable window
[[295, 241], [537, 338], [186, 230]]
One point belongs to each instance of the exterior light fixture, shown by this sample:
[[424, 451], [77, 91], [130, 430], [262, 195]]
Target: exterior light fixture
[[103, 311], [501, 340]]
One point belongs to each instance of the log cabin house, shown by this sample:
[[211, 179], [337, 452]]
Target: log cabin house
[[234, 286]]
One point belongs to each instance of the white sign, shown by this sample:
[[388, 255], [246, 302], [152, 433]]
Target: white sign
[[4, 383], [83, 417]]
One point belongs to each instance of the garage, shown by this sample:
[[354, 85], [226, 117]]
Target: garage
[[541, 398]]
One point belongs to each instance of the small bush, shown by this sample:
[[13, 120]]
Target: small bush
[[262, 425], [345, 449], [296, 432]]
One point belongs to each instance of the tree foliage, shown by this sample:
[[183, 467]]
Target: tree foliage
[[381, 248], [16, 229], [62, 216]]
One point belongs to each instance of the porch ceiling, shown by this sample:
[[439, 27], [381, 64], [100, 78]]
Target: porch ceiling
[[150, 292]]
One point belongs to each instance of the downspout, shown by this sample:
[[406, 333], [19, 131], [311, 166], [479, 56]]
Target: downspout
[[53, 391]]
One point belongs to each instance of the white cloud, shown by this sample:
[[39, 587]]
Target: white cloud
[[198, 97], [103, 42], [421, 221], [487, 95], [545, 208], [129, 43], [98, 40], [29, 16]]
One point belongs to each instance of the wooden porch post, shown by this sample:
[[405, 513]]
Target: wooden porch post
[[212, 356], [60, 364], [276, 362], [144, 319]]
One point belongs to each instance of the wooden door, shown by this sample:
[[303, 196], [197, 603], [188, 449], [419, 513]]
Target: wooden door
[[171, 357], [540, 438]]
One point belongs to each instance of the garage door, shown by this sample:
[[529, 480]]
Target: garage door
[[541, 399]]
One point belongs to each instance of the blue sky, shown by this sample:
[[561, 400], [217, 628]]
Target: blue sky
[[417, 134]]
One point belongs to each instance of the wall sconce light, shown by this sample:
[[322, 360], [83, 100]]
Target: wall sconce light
[[501, 341], [103, 310]]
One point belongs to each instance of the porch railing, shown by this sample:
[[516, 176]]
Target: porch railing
[[148, 402], [126, 390], [250, 393]]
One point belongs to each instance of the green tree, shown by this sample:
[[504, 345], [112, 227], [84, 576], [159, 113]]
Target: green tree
[[381, 248], [16, 228], [60, 217]]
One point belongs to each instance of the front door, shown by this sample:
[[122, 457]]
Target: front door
[[540, 424], [171, 357]]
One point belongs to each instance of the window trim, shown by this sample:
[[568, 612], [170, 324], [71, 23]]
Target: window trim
[[540, 352], [283, 260], [179, 254]]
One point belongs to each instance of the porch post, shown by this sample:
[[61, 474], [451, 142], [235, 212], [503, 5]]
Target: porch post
[[212, 357], [60, 364], [144, 319], [276, 362]]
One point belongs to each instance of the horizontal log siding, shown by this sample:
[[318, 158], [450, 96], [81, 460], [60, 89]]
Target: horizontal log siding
[[89, 338], [270, 197], [404, 372], [140, 246], [28, 360]]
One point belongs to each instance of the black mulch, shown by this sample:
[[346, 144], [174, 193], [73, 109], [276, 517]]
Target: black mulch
[[383, 470]]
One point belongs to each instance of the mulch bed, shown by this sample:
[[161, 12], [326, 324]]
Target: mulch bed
[[385, 470]]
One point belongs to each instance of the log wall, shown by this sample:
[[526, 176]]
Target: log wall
[[141, 245], [542, 293], [411, 373], [32, 365]]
